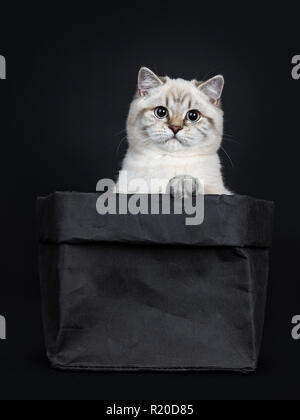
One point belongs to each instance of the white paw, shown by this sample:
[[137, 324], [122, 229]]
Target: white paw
[[183, 186]]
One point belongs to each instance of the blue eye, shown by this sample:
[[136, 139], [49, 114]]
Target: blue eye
[[161, 112], [193, 116]]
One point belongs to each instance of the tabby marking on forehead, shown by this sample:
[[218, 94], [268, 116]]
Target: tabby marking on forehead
[[181, 97]]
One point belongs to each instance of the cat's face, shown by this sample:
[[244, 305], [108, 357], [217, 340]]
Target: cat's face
[[176, 115]]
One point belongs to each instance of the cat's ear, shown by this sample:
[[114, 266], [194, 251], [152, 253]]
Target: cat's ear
[[147, 80], [213, 88]]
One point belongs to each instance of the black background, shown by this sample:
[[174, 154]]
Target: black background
[[71, 73]]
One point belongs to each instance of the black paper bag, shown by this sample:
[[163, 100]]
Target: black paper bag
[[147, 292]]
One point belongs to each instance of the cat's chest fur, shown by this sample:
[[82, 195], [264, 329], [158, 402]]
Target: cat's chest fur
[[153, 166]]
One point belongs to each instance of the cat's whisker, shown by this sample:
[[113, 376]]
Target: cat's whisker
[[231, 141], [120, 132], [226, 153], [122, 140], [227, 134], [232, 138]]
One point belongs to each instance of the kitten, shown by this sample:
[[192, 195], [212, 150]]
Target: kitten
[[174, 131]]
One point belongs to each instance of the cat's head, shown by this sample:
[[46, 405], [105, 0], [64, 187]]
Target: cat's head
[[176, 115]]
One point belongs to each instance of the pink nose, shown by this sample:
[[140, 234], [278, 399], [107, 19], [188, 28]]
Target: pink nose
[[175, 128]]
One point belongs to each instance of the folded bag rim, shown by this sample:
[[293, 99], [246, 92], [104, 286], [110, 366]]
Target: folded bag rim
[[237, 221]]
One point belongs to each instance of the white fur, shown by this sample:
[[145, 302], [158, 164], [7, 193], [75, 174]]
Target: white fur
[[153, 151]]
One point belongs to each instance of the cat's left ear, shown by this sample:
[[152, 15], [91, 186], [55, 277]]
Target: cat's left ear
[[147, 80], [213, 88]]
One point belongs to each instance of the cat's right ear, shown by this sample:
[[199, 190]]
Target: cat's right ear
[[147, 80], [213, 88]]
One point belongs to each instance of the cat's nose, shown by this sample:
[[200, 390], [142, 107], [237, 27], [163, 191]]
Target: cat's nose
[[175, 128]]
